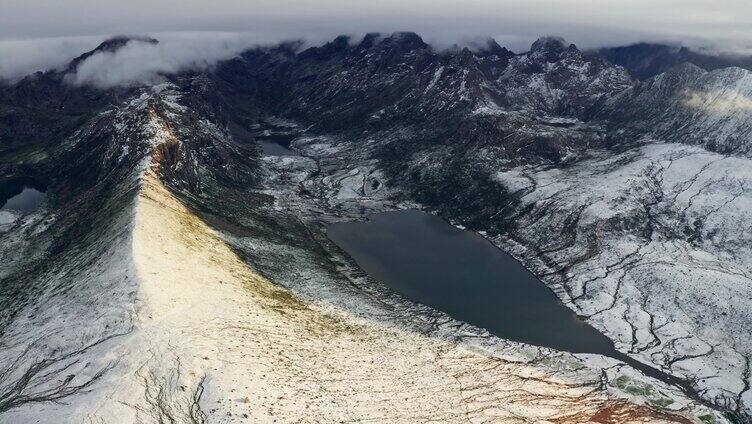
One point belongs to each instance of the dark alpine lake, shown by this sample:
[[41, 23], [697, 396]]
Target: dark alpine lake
[[275, 143], [423, 258], [20, 198], [274, 148]]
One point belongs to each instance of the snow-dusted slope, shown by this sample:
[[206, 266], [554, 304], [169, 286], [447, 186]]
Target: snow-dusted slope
[[654, 249], [156, 318], [689, 105]]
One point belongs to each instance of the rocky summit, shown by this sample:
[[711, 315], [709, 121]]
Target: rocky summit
[[176, 272]]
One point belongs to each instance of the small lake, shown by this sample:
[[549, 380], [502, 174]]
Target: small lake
[[423, 258], [22, 199], [273, 148], [276, 142]]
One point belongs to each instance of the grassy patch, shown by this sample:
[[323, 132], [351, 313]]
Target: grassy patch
[[192, 230], [636, 388], [707, 419], [661, 402]]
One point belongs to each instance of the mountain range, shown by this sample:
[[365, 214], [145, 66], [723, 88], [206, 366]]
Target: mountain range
[[177, 273]]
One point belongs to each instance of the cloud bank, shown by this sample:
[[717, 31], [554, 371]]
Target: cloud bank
[[584, 21], [140, 62], [21, 57], [40, 34]]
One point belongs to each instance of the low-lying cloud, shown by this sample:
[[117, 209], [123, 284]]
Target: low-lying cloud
[[723, 102], [140, 62], [22, 57], [221, 27]]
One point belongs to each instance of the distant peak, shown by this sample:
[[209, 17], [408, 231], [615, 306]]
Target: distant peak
[[551, 49], [111, 45], [489, 47], [548, 43], [687, 68], [339, 45], [119, 41], [407, 40], [406, 36], [369, 40]]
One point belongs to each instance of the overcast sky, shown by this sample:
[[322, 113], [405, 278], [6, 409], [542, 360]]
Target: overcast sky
[[42, 33]]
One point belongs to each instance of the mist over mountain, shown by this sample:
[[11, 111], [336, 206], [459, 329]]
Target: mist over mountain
[[41, 34]]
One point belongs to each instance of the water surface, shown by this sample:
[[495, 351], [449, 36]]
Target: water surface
[[429, 261], [27, 200], [423, 258], [274, 148]]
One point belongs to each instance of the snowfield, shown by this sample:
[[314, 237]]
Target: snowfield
[[655, 252]]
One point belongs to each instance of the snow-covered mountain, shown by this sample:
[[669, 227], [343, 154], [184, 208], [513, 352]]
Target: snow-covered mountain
[[175, 273], [689, 105], [646, 60]]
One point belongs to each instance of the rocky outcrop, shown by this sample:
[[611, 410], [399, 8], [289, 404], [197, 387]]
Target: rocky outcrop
[[646, 60], [687, 105]]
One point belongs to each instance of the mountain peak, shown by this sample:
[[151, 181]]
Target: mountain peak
[[406, 40], [646, 60], [550, 49], [548, 43], [329, 50], [491, 48], [111, 45], [685, 70], [369, 40], [114, 43]]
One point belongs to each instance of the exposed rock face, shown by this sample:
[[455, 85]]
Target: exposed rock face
[[645, 60], [689, 105], [558, 157]]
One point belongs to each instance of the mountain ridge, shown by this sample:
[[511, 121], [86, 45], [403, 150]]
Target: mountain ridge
[[645, 60]]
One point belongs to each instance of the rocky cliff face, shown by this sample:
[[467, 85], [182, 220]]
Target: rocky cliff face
[[645, 60], [627, 198], [688, 105]]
